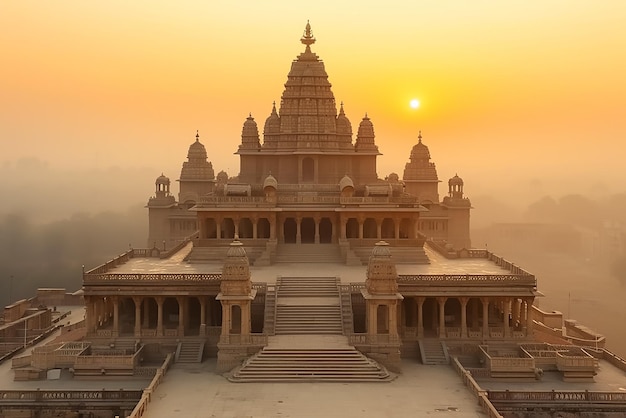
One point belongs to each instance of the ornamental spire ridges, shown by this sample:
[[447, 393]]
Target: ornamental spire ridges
[[308, 39]]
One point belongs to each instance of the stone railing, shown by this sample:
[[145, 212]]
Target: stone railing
[[256, 201], [68, 395], [153, 278], [481, 395], [467, 279], [308, 187], [400, 200], [146, 396], [176, 248], [557, 396], [366, 339], [111, 264], [308, 199]]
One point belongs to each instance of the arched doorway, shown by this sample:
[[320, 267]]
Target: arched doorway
[[307, 231], [382, 319], [245, 228], [352, 228], [235, 320], [228, 228], [263, 228], [369, 228], [326, 231], [290, 230], [388, 229], [210, 228]]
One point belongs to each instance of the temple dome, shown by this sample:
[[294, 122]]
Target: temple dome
[[455, 181], [270, 181], [344, 127], [197, 151], [346, 181], [162, 179], [420, 151], [272, 123]]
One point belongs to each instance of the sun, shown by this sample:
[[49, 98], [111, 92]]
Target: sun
[[414, 103]]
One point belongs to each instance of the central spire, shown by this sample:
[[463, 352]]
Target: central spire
[[308, 39]]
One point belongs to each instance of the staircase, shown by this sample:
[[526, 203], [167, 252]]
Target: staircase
[[433, 351], [308, 345], [190, 351], [308, 253], [310, 365], [307, 305]]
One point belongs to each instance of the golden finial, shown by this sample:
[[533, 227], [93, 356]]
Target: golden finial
[[308, 39]]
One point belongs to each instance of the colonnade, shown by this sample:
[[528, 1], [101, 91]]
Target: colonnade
[[310, 227], [447, 317], [154, 316]]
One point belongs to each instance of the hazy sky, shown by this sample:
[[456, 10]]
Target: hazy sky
[[506, 87]]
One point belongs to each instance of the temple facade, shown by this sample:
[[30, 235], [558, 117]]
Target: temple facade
[[308, 181]]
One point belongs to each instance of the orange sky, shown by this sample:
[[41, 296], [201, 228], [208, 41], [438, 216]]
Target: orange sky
[[504, 86]]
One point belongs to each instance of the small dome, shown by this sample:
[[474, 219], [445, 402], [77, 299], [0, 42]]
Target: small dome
[[366, 128], [393, 178], [197, 151], [420, 151], [344, 127], [222, 177], [270, 181], [272, 123], [346, 181], [235, 250], [381, 249], [455, 181], [162, 179]]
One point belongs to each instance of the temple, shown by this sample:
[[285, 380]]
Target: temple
[[308, 266]]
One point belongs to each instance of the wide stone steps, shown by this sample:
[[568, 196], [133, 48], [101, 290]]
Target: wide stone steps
[[433, 351], [308, 253], [309, 365], [400, 255]]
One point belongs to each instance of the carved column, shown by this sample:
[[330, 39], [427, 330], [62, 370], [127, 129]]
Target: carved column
[[181, 315], [116, 316], [137, 301], [420, 317], [159, 301], [344, 227], [255, 227], [485, 302], [218, 227], [272, 220], [529, 317], [361, 221], [202, 330], [397, 228], [317, 221], [236, 220], [463, 301], [442, 317], [298, 230], [379, 227], [506, 317]]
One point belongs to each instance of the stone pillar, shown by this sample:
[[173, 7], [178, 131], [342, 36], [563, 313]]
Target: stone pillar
[[159, 301], [255, 226], [442, 317], [236, 220], [393, 318], [235, 290], [181, 315], [202, 330], [516, 312], [529, 317], [420, 317], [506, 317], [485, 302], [344, 227], [317, 221], [361, 221], [218, 227], [379, 228], [116, 316], [272, 226], [463, 301], [137, 301], [397, 228], [298, 230], [333, 232]]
